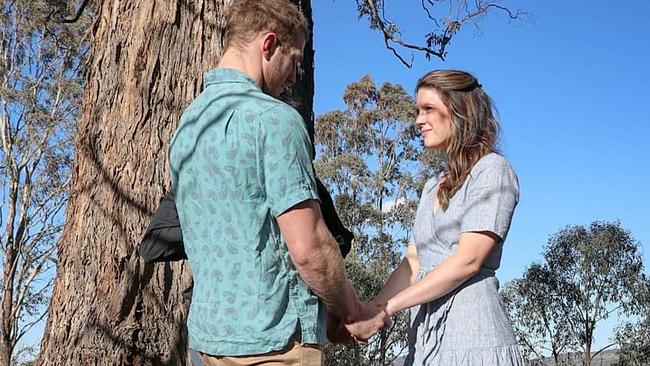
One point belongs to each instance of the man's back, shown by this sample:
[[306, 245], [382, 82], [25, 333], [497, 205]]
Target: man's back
[[240, 158]]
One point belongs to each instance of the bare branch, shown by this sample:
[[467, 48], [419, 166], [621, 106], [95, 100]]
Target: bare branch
[[7, 143], [602, 349], [436, 41], [36, 271], [608, 313], [20, 331], [27, 327], [530, 345], [426, 10]]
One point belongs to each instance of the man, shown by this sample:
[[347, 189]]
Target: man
[[246, 196]]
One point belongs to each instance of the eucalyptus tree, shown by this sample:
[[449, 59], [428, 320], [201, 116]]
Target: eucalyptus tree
[[589, 274]]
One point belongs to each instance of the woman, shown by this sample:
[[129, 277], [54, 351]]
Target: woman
[[447, 277]]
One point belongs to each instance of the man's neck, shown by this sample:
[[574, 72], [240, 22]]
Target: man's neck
[[243, 61]]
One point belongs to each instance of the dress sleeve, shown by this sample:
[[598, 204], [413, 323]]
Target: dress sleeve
[[491, 197], [286, 159]]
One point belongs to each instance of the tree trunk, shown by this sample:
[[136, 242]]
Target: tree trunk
[[302, 93], [146, 65], [6, 336]]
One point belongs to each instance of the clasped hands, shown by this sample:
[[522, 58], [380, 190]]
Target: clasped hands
[[369, 319]]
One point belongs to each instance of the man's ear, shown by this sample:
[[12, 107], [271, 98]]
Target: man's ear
[[270, 44]]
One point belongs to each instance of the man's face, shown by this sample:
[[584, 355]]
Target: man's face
[[280, 69]]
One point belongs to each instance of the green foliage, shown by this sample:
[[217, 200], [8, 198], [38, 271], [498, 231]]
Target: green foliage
[[588, 275], [532, 302], [634, 342], [371, 155]]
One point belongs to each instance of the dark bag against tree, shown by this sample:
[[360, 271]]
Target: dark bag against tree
[[163, 240]]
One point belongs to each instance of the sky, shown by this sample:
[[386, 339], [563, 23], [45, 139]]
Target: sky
[[571, 87]]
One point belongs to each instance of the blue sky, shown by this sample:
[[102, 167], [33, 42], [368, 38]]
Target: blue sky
[[572, 92]]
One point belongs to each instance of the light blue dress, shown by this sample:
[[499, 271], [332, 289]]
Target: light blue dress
[[468, 326]]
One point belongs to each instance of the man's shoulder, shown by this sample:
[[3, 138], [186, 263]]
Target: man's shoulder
[[247, 100], [276, 110]]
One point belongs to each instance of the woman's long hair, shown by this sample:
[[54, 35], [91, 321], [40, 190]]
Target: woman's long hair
[[473, 132]]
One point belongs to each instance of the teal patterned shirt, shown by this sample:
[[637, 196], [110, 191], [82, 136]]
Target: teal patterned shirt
[[240, 158]]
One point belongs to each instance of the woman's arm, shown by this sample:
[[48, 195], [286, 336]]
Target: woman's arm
[[473, 250], [402, 277]]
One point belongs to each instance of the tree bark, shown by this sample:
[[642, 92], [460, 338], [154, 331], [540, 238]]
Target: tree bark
[[146, 65], [7, 338], [302, 92]]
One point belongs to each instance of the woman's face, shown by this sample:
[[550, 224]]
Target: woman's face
[[433, 119]]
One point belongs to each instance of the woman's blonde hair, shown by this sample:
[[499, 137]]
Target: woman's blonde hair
[[474, 130]]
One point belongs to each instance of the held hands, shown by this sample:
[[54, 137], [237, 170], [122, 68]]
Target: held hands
[[370, 319]]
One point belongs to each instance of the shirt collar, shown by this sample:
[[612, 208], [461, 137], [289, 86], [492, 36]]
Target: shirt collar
[[226, 75]]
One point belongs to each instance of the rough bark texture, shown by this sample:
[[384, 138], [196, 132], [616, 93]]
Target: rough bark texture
[[146, 66], [6, 341]]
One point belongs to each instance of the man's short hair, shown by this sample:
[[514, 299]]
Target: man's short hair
[[247, 18]]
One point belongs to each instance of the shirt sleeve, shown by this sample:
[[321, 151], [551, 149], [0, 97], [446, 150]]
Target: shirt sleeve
[[286, 159], [492, 194]]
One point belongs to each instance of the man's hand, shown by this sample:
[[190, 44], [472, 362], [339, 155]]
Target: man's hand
[[371, 319], [336, 331]]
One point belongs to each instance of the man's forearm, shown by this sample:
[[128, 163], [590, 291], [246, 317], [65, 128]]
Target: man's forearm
[[324, 272], [318, 260]]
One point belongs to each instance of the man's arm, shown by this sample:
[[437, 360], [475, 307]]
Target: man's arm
[[292, 198], [317, 258]]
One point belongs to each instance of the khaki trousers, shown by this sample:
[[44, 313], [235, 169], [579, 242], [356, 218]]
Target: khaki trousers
[[296, 354]]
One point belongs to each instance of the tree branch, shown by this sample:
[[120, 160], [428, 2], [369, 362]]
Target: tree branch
[[27, 327], [74, 18], [602, 349], [607, 313], [36, 270], [436, 41], [388, 36]]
